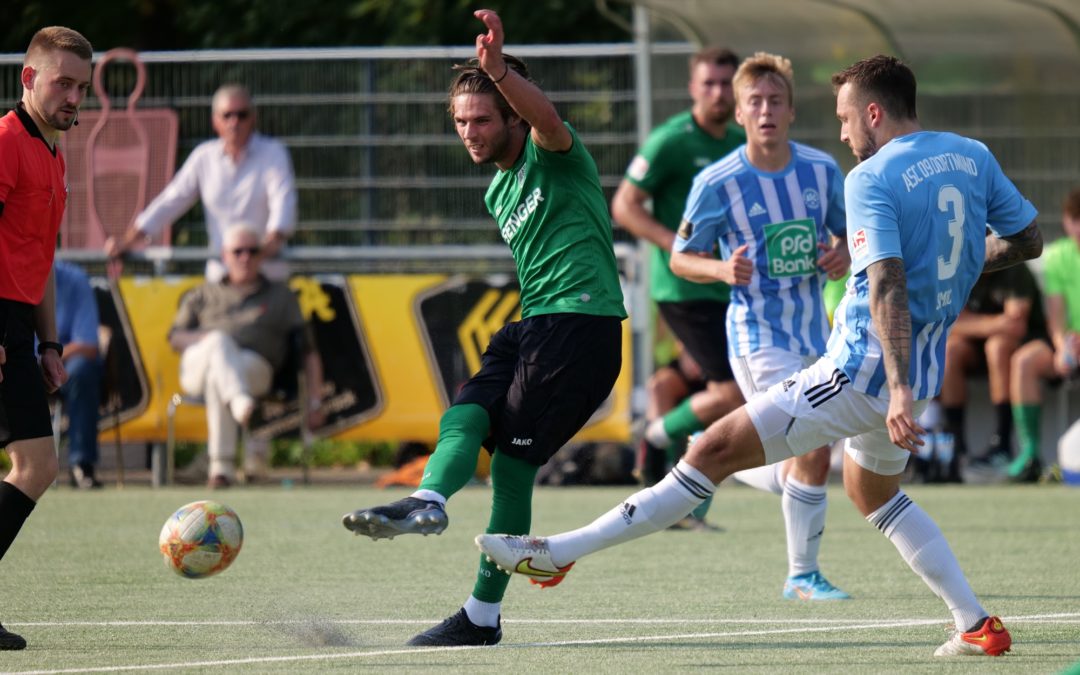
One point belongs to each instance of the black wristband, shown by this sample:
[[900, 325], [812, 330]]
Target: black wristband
[[503, 76], [55, 346]]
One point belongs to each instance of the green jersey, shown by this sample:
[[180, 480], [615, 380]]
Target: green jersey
[[665, 168], [1061, 260], [552, 213]]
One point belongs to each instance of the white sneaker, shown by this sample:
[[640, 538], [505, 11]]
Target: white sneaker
[[242, 407], [523, 554]]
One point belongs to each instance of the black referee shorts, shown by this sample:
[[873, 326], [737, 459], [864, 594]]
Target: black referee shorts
[[541, 379], [701, 326], [24, 409]]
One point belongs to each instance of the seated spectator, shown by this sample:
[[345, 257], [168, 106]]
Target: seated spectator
[[77, 330], [1048, 358], [233, 336], [1003, 312]]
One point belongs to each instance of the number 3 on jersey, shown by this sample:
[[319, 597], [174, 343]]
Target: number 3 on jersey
[[950, 201]]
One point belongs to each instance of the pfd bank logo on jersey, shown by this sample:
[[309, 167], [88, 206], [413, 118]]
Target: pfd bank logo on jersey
[[792, 248], [520, 214]]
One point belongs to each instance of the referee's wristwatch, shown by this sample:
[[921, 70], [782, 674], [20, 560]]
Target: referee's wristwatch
[[55, 346]]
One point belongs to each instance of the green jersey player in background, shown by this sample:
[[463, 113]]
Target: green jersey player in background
[[542, 377]]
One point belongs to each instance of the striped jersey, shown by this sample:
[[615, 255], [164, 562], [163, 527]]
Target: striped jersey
[[927, 199], [782, 216]]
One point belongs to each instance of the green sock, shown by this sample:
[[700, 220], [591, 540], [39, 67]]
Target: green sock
[[461, 431], [1028, 421], [511, 513], [681, 421]]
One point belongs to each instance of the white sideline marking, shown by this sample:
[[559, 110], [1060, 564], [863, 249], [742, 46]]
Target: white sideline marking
[[1055, 618], [1043, 618]]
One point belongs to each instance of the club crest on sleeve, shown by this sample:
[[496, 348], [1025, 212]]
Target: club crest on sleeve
[[858, 244], [686, 229], [638, 168]]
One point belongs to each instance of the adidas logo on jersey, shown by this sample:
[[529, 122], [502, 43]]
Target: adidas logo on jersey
[[627, 511], [756, 210]]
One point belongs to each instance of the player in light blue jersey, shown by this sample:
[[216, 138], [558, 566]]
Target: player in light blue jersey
[[947, 186], [776, 209], [915, 260]]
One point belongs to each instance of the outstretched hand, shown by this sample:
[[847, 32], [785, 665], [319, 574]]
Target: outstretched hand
[[489, 45]]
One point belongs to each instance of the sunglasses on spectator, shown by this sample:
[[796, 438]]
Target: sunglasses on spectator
[[250, 250], [238, 114]]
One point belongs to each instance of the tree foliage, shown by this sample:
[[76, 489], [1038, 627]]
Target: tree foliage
[[152, 25]]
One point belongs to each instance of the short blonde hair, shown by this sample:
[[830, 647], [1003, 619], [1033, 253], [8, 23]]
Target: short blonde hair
[[763, 65]]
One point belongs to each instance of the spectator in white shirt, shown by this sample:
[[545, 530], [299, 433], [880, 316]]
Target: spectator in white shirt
[[242, 177]]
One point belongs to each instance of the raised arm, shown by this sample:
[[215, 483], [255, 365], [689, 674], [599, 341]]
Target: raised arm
[[892, 319], [1002, 252], [548, 130]]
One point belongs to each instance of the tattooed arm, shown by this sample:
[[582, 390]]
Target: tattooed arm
[[1008, 251], [892, 320]]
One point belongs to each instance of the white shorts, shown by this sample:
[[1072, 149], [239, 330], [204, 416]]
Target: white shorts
[[762, 369], [818, 406]]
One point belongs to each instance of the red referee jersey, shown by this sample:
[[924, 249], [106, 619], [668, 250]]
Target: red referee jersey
[[33, 192]]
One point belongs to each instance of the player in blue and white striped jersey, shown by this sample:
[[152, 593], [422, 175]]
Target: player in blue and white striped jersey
[[783, 217], [776, 209]]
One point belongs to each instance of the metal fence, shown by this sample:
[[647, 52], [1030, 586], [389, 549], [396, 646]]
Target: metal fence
[[378, 162]]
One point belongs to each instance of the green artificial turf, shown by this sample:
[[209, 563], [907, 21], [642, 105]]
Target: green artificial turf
[[86, 586]]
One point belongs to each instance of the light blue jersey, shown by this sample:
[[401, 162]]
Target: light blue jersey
[[926, 198], [782, 216]]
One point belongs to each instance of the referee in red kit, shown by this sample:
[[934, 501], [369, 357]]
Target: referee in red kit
[[33, 192]]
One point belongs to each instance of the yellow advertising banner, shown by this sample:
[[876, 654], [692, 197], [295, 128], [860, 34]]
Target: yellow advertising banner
[[395, 348]]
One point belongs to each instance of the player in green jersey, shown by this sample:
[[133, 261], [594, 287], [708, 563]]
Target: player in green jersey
[[542, 377]]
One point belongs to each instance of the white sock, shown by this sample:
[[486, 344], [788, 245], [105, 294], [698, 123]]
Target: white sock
[[431, 496], [768, 478], [655, 434], [482, 613], [804, 520], [923, 547], [646, 511]]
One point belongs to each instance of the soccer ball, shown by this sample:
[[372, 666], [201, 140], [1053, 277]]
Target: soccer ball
[[201, 539]]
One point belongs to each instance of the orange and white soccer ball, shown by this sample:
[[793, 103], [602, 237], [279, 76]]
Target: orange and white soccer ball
[[201, 539]]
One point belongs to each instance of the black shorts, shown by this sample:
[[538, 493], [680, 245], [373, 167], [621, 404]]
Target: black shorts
[[541, 379], [24, 409], [701, 326]]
